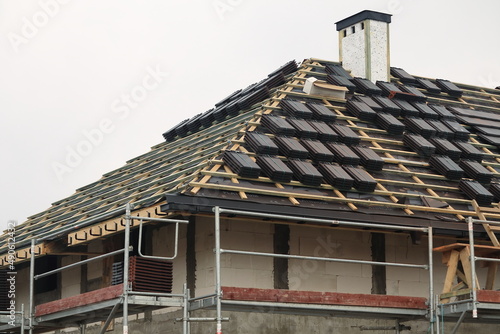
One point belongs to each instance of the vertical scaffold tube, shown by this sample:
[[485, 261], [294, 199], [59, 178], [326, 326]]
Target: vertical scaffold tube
[[126, 257], [217, 270]]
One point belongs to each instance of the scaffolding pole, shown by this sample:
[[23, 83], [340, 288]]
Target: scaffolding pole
[[218, 289], [432, 306], [126, 258], [31, 311], [470, 224]]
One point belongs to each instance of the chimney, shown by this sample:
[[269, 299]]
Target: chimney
[[364, 45]]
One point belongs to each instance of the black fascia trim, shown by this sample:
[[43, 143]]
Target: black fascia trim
[[361, 16], [195, 204]]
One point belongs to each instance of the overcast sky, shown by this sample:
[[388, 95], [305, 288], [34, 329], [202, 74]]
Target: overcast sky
[[87, 85]]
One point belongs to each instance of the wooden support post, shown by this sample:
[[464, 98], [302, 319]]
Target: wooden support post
[[450, 273]]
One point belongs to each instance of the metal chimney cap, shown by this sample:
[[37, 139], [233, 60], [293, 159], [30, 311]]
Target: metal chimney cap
[[361, 16]]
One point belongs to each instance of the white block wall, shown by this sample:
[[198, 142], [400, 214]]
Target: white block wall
[[70, 278], [237, 270]]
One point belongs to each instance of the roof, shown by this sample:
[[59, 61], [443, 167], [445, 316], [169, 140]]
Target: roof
[[416, 147]]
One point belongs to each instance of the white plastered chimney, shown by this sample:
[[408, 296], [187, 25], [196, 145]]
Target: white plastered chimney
[[364, 45]]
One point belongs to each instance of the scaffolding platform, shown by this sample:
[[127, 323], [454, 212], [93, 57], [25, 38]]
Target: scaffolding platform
[[96, 305]]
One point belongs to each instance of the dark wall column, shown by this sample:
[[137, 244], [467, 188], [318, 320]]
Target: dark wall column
[[281, 246], [379, 286]]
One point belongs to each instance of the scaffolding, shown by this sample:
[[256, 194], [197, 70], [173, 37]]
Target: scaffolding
[[130, 302]]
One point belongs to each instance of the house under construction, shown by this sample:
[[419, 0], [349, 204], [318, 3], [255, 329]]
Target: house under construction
[[339, 197]]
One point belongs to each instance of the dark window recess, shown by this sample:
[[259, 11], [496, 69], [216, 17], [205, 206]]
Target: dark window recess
[[303, 129], [441, 130], [4, 290], [365, 86], [275, 169], [345, 32], [474, 190], [361, 110], [425, 111], [402, 75], [317, 151], [228, 98], [346, 135], [305, 172], [419, 144], [369, 158], [447, 167], [362, 25], [429, 86], [321, 112], [407, 110], [388, 106], [339, 80], [414, 94], [47, 283], [442, 112], [296, 109], [241, 164], [247, 101], [460, 132], [353, 29], [495, 190], [277, 125], [337, 70], [291, 148], [260, 143], [369, 101], [343, 154], [325, 133], [207, 118], [469, 151], [336, 176], [388, 88], [362, 180], [390, 124], [419, 126], [476, 171], [444, 147], [286, 69], [449, 87]]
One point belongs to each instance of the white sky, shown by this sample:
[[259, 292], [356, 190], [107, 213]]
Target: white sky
[[71, 73]]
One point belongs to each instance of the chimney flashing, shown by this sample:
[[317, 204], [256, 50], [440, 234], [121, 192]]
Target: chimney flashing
[[361, 16]]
